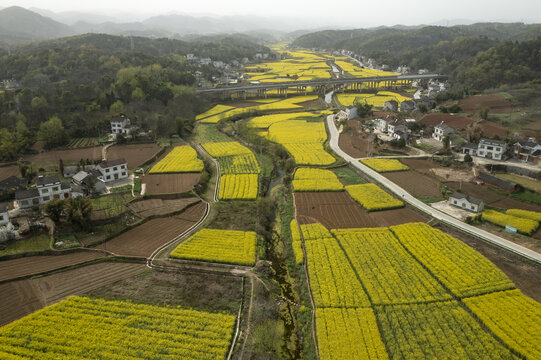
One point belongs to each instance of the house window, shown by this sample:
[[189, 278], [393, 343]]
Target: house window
[[490, 148], [123, 173], [473, 207], [44, 190], [55, 188], [455, 202], [1, 217], [123, 167], [46, 198]]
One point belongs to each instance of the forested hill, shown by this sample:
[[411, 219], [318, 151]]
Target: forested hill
[[85, 80], [402, 38], [225, 48], [477, 56]]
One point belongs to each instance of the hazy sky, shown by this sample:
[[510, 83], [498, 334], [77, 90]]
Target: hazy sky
[[345, 13]]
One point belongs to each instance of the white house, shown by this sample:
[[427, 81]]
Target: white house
[[491, 149], [466, 202], [47, 188], [441, 131], [470, 148], [121, 125], [381, 125], [527, 151], [205, 61], [71, 170], [191, 57], [4, 215], [90, 181], [396, 126], [113, 169]]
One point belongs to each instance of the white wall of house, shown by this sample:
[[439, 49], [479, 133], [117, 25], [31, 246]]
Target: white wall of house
[[439, 133], [466, 205], [491, 151], [53, 191], [113, 173], [4, 218]]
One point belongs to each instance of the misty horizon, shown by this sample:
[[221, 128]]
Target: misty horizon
[[313, 17]]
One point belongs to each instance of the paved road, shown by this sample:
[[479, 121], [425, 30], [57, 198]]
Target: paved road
[[404, 195]]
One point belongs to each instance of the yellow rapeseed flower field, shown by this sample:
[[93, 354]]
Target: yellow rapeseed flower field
[[180, 160], [513, 317], [532, 215], [91, 328], [238, 187], [332, 279], [223, 246], [389, 273], [439, 330], [263, 122], [215, 110], [349, 334], [377, 100], [523, 225], [233, 157], [285, 104], [372, 197], [310, 179], [314, 231], [384, 165], [460, 268]]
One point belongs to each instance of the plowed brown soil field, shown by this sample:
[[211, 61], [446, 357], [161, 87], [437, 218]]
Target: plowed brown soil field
[[67, 156], [337, 210], [495, 102], [142, 240], [170, 183], [7, 171], [12, 269], [415, 183], [353, 144], [150, 207], [135, 154], [22, 297], [454, 121]]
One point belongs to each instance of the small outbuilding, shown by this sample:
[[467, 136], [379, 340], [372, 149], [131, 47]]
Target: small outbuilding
[[466, 202]]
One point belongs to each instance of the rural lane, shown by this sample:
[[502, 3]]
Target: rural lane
[[437, 214]]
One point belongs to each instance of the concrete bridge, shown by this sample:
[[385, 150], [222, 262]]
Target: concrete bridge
[[320, 86]]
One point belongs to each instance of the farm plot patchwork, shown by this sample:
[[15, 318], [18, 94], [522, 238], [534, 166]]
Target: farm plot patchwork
[[303, 140], [415, 183], [48, 158], [310, 179], [181, 159], [239, 167], [372, 197], [134, 154], [336, 210], [142, 240], [224, 246], [215, 110], [286, 104], [513, 317], [22, 297], [461, 269], [82, 142], [384, 165], [532, 215], [376, 100], [117, 329], [441, 330], [389, 274]]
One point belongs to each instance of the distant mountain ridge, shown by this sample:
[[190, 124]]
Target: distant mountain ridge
[[19, 23]]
